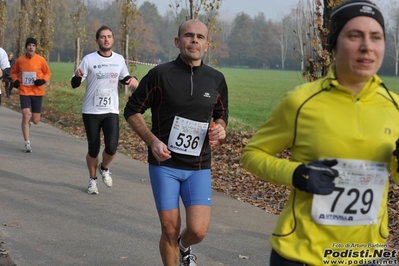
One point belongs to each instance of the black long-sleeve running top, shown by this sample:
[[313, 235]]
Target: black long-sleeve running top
[[176, 89]]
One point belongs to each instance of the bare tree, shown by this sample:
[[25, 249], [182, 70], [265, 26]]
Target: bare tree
[[23, 17], [318, 58], [300, 31], [393, 29], [314, 40], [3, 12], [79, 33], [195, 7], [226, 24], [36, 20], [198, 9], [45, 27], [282, 38], [129, 18]]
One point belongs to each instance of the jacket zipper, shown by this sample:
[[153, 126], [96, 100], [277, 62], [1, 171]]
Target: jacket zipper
[[192, 82], [357, 116]]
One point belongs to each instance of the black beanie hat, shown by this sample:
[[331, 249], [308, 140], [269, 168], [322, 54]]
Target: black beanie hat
[[30, 40], [347, 11]]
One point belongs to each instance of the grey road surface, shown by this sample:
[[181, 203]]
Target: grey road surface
[[47, 218]]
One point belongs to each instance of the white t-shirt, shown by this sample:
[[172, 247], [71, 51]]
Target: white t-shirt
[[102, 74], [4, 63]]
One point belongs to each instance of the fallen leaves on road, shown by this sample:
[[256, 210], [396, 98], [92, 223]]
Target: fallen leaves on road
[[13, 224]]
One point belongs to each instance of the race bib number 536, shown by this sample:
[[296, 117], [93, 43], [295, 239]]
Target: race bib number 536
[[187, 136]]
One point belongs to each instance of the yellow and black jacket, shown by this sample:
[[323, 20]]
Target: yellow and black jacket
[[317, 120]]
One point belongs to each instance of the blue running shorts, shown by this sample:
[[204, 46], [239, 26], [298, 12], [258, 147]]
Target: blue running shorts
[[193, 186]]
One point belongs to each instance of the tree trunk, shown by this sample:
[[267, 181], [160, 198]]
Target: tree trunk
[[23, 27], [191, 9], [77, 58], [127, 61]]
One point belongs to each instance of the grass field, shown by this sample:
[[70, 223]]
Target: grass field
[[253, 93]]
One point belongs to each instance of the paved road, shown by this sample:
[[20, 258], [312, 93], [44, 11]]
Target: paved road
[[47, 218]]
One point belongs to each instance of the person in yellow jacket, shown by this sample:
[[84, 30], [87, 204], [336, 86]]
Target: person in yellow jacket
[[342, 131], [30, 73]]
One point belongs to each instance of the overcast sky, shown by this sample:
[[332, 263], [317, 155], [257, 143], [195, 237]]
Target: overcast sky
[[273, 9]]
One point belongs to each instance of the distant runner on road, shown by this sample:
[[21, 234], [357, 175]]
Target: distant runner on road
[[29, 74], [103, 70]]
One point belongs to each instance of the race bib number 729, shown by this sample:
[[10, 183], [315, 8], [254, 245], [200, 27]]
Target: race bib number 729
[[357, 196]]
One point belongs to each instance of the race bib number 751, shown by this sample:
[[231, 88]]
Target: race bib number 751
[[103, 98]]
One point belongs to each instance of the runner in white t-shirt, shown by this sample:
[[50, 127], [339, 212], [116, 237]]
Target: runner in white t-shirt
[[4, 66], [102, 70]]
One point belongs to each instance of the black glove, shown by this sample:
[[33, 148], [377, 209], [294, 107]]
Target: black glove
[[16, 84], [396, 153], [39, 82], [316, 177]]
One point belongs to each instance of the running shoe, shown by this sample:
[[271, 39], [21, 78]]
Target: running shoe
[[106, 175], [28, 148], [92, 188], [187, 258]]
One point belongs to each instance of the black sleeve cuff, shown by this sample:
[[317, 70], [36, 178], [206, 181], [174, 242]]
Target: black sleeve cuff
[[124, 81], [75, 82]]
